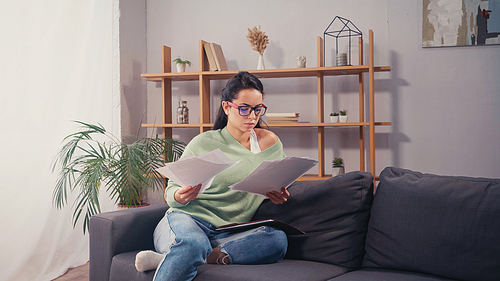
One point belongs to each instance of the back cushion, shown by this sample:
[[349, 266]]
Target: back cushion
[[334, 213], [440, 225]]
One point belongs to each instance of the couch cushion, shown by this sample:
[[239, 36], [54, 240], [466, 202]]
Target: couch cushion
[[124, 269], [334, 213], [440, 225], [285, 270], [375, 274]]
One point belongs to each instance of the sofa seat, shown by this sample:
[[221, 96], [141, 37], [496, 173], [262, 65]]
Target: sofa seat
[[375, 274], [283, 270], [299, 269]]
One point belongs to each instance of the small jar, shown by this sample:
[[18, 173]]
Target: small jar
[[182, 113]]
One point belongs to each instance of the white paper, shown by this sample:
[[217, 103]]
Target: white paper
[[191, 170], [272, 175]]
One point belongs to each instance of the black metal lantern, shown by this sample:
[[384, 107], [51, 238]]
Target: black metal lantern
[[340, 27]]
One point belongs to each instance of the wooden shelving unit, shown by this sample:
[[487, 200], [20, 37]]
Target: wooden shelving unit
[[205, 76]]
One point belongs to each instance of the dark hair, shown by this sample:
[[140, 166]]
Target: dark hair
[[241, 81]]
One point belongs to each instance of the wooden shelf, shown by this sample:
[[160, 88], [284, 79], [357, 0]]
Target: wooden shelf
[[291, 124], [267, 73], [204, 76], [309, 177]]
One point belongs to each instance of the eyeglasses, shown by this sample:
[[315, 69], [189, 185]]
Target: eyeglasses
[[245, 110]]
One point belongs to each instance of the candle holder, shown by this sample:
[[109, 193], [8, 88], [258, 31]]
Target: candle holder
[[339, 28]]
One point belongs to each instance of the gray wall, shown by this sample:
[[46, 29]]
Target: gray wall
[[444, 103]]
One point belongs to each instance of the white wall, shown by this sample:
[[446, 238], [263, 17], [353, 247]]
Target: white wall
[[132, 63], [58, 63], [443, 103], [292, 27], [446, 116]]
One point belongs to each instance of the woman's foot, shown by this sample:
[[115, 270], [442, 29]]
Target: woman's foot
[[218, 257], [147, 260]]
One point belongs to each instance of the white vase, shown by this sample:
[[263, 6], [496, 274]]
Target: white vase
[[336, 171], [261, 65], [334, 119], [343, 118], [181, 67]]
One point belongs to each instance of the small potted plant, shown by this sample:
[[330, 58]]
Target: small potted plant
[[181, 64], [343, 116], [337, 166], [334, 117]]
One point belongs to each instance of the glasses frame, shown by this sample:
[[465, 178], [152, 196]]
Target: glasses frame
[[262, 106]]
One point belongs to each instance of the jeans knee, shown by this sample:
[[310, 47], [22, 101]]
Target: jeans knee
[[195, 244], [277, 243], [280, 241]]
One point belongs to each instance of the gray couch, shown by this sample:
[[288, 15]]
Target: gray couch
[[417, 227]]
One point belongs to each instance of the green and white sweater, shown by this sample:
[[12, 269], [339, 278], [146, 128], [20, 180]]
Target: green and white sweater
[[219, 205]]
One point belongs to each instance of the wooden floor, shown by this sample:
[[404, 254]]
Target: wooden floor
[[80, 273]]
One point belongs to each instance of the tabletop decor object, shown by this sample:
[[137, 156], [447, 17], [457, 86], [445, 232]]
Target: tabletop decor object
[[340, 28], [181, 64], [258, 40]]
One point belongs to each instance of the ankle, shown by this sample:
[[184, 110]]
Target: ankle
[[218, 257]]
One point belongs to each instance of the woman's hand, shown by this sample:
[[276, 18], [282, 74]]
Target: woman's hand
[[188, 193], [277, 197]]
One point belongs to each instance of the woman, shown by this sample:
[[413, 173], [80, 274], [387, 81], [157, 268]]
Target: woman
[[186, 237]]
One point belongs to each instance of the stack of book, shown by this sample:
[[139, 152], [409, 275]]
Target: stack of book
[[282, 117], [215, 56]]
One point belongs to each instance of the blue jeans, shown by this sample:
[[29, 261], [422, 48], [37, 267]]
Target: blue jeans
[[187, 241]]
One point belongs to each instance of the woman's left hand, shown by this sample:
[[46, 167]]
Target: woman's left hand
[[277, 197]]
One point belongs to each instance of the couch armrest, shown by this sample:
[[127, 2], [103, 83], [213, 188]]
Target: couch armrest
[[122, 231]]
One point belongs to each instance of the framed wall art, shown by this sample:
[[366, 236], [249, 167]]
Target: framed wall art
[[448, 23]]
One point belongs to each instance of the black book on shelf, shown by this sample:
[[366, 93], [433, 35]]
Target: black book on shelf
[[239, 227]]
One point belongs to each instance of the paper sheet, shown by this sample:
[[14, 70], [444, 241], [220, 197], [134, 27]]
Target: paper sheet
[[191, 170], [272, 175]]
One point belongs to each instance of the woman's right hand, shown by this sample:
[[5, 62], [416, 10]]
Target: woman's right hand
[[188, 193]]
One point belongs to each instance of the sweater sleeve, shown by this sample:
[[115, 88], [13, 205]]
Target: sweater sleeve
[[172, 187], [194, 148]]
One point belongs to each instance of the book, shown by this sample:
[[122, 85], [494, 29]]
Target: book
[[289, 114], [210, 56], [219, 57], [283, 119], [239, 227]]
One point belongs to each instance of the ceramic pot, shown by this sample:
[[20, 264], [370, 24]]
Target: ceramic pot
[[334, 119], [181, 68], [123, 207], [343, 118], [336, 171]]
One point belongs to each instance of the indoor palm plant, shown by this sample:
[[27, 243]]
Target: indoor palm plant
[[93, 158]]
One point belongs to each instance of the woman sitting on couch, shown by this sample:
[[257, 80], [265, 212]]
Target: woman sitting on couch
[[187, 237]]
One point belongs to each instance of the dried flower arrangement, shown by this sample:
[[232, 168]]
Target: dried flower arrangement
[[258, 39]]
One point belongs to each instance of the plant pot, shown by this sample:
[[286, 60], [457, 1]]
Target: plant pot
[[181, 68], [123, 207], [336, 171], [343, 118], [334, 119]]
